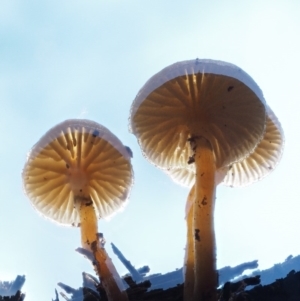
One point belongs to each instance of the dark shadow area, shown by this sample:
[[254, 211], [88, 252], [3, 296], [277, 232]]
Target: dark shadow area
[[11, 290], [279, 283]]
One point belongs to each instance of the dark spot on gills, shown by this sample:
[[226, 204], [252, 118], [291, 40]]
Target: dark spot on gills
[[96, 133], [197, 234], [191, 160], [89, 203]]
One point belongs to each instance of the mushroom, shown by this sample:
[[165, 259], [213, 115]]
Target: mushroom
[[256, 166], [207, 114], [77, 173]]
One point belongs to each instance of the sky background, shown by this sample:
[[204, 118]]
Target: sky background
[[88, 59]]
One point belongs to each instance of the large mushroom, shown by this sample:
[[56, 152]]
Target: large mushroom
[[207, 114], [77, 173], [252, 168]]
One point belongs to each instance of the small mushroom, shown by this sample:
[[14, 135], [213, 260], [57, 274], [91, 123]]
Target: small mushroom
[[77, 173], [204, 114]]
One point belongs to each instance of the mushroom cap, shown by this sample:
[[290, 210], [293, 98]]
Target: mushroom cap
[[253, 168], [77, 157], [207, 98]]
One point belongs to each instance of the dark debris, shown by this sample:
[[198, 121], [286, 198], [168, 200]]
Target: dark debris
[[285, 289]]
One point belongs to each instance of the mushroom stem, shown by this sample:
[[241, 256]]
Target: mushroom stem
[[189, 258], [109, 277], [88, 221], [206, 277]]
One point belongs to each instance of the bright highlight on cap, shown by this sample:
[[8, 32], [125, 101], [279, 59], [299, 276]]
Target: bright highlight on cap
[[77, 157], [211, 99]]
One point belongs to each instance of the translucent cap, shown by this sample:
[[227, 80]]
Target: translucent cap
[[77, 157], [261, 162], [206, 98]]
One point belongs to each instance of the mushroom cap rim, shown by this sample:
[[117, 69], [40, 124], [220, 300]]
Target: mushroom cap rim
[[189, 67]]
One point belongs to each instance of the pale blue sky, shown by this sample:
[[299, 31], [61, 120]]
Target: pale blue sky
[[88, 59]]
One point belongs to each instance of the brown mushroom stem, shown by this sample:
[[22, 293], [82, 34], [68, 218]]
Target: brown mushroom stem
[[89, 240], [206, 277], [88, 221], [107, 274], [189, 259]]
